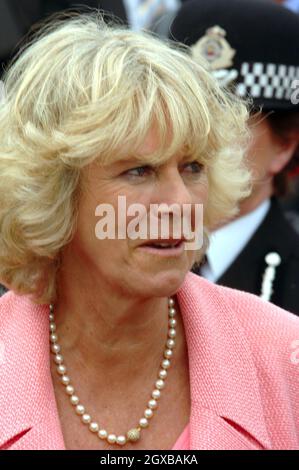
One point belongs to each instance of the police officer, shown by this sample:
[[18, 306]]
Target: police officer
[[252, 46]]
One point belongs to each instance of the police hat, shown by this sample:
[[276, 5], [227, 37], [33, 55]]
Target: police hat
[[253, 44]]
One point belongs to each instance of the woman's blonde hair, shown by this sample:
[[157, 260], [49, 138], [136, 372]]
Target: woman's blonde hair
[[81, 91]]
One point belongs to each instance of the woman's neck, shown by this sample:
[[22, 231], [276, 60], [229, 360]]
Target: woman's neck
[[104, 330]]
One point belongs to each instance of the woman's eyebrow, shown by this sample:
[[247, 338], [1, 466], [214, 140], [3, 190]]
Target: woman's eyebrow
[[135, 161]]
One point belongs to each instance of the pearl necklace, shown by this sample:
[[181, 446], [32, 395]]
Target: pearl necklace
[[133, 434]]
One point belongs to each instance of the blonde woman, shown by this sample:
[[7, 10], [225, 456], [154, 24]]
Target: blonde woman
[[112, 343]]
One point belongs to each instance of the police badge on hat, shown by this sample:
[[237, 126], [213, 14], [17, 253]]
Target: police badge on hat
[[254, 43], [219, 54]]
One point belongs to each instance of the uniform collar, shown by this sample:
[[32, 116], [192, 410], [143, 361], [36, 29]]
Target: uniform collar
[[228, 242]]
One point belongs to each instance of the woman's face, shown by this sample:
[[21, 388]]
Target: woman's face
[[267, 155], [262, 149], [127, 264]]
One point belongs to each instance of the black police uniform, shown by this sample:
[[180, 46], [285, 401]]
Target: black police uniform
[[246, 272], [256, 43]]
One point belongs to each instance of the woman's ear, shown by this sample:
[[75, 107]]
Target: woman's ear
[[284, 150]]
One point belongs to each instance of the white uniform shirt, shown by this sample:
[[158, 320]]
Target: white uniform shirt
[[142, 13], [227, 242]]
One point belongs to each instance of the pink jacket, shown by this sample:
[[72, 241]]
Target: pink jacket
[[243, 365]]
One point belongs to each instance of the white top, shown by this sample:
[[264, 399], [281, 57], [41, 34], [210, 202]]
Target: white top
[[292, 5], [141, 13], [227, 242]]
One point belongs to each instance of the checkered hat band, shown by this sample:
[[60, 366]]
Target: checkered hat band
[[268, 81]]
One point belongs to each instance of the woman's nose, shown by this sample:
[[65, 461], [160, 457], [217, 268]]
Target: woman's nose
[[173, 189]]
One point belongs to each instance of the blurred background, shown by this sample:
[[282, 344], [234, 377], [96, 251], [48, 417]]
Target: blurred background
[[18, 16]]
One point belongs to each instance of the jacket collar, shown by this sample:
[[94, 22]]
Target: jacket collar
[[226, 408], [29, 415]]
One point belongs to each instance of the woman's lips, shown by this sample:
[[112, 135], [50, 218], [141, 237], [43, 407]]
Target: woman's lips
[[175, 248]]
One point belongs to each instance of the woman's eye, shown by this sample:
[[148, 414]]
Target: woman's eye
[[139, 171], [193, 167]]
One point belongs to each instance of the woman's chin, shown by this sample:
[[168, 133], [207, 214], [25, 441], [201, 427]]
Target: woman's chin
[[164, 284]]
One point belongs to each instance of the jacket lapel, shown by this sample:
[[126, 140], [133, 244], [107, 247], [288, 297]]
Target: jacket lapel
[[226, 408], [29, 413], [45, 435]]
